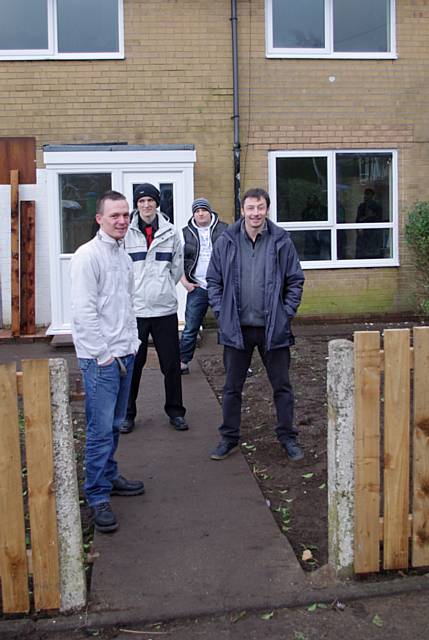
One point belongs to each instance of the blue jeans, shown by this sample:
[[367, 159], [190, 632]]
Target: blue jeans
[[197, 303], [106, 396]]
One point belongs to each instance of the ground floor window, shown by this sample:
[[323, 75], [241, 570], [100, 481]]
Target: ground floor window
[[339, 206]]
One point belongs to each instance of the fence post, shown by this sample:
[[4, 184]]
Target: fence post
[[340, 388], [72, 572]]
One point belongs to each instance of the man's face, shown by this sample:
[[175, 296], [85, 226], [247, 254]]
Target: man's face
[[254, 212], [115, 218], [147, 208], [202, 217]]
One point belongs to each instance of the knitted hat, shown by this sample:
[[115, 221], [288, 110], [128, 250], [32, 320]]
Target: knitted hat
[[146, 190], [201, 203]]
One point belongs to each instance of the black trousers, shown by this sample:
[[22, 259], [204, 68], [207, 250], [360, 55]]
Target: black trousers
[[276, 363], [165, 335]]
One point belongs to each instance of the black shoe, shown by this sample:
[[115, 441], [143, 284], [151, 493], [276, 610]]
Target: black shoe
[[104, 518], [123, 487], [223, 450], [127, 426], [293, 450], [179, 423]]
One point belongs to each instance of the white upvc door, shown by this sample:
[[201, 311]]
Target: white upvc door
[[72, 181]]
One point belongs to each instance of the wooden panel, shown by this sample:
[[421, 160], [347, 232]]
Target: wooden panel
[[367, 451], [13, 557], [18, 153], [420, 547], [396, 447], [41, 496], [14, 250], [28, 268]]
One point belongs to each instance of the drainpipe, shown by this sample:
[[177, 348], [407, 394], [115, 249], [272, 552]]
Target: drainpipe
[[236, 115]]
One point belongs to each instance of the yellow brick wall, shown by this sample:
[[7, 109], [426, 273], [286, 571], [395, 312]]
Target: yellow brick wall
[[175, 86]]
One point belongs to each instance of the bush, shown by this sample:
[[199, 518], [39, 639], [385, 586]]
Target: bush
[[417, 238]]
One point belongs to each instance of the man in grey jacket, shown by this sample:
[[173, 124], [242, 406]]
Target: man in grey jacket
[[156, 251], [105, 337], [255, 286]]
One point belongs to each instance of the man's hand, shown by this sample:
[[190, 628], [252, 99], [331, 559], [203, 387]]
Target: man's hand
[[189, 286]]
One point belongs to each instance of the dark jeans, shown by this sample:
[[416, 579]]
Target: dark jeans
[[276, 363], [197, 303], [165, 334]]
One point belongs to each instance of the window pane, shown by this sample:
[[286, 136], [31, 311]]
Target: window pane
[[166, 204], [301, 189], [87, 26], [363, 187], [299, 24], [364, 244], [361, 26], [313, 244], [23, 24], [78, 197]]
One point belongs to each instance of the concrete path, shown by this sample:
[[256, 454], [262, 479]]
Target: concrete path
[[202, 538]]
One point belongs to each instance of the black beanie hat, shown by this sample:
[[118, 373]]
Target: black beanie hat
[[146, 190]]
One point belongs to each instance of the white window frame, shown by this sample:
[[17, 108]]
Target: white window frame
[[52, 53], [328, 50], [331, 224]]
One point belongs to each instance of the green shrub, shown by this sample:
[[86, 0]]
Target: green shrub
[[417, 238]]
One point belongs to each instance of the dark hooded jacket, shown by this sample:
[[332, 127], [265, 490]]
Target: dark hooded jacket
[[191, 249], [284, 282]]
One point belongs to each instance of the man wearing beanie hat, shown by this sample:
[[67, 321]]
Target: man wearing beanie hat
[[201, 232], [156, 251]]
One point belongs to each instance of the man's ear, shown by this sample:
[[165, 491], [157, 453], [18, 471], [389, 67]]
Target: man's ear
[[98, 217]]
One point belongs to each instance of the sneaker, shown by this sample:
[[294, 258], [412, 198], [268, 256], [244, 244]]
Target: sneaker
[[224, 449], [104, 518], [127, 426], [123, 487], [293, 450], [184, 369], [179, 423]]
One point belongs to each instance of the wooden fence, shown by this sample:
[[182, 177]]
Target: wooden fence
[[391, 450], [22, 555]]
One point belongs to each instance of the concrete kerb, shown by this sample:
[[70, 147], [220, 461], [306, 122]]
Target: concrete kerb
[[342, 592]]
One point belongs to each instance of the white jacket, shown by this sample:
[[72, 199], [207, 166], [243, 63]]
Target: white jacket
[[157, 270], [102, 291]]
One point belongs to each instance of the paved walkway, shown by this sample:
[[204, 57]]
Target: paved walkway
[[202, 538]]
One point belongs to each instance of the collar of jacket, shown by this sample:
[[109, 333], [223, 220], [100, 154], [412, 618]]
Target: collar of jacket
[[106, 239], [279, 235], [164, 225], [194, 227]]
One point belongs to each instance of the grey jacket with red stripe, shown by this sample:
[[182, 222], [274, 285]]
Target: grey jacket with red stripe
[[157, 270]]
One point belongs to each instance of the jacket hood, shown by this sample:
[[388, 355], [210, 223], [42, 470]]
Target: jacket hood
[[191, 224]]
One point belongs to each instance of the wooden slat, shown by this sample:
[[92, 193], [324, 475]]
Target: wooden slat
[[420, 547], [18, 153], [396, 447], [14, 250], [13, 557], [38, 427], [367, 451], [28, 268]]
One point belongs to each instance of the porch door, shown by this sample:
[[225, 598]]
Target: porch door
[[173, 203]]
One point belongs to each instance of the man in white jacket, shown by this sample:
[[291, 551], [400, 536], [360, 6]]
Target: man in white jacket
[[105, 337], [156, 251]]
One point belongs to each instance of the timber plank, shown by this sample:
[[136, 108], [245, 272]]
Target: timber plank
[[41, 495], [396, 447], [28, 268], [14, 250], [18, 153], [13, 556], [367, 451], [420, 544]]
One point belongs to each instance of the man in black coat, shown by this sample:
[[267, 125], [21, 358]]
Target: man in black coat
[[255, 285], [200, 234]]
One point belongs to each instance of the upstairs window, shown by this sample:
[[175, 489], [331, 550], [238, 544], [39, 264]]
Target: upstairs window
[[69, 29], [330, 28]]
